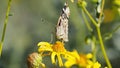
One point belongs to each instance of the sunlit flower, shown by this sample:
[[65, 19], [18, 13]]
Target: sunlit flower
[[56, 50], [81, 60], [93, 65], [117, 2], [72, 1], [119, 11]]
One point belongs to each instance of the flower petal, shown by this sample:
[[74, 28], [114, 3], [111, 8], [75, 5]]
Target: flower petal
[[69, 63], [96, 65], [59, 60], [53, 57], [44, 46], [43, 43], [89, 55], [72, 58], [75, 54]]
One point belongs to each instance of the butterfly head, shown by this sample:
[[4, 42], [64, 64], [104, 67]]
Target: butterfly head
[[66, 10]]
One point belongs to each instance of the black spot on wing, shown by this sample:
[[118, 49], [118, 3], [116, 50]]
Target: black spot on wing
[[59, 24]]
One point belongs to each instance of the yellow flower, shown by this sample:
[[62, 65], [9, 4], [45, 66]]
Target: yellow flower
[[72, 1], [117, 2], [72, 59], [119, 11], [56, 50], [84, 59], [81, 60], [96, 65], [93, 64]]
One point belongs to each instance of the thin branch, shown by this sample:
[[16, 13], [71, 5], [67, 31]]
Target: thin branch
[[91, 18], [86, 22], [5, 25], [100, 37]]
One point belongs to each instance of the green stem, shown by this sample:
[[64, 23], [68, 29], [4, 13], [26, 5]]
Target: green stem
[[91, 18], [115, 29], [94, 50], [103, 48], [109, 35], [100, 36], [5, 24], [86, 22], [99, 33]]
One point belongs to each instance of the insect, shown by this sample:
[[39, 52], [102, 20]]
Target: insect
[[98, 10], [62, 25]]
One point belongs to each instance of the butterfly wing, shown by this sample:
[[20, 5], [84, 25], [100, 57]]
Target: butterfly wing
[[62, 25]]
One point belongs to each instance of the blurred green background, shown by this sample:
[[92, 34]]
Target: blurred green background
[[33, 21]]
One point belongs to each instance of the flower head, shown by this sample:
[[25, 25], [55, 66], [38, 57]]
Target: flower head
[[56, 50], [72, 1], [81, 60]]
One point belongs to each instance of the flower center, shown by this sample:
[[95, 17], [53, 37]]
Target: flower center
[[58, 47]]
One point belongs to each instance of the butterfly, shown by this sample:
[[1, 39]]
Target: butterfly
[[62, 25], [98, 10]]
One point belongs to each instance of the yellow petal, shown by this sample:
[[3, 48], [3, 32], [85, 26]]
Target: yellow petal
[[53, 57], [72, 58], [75, 54], [43, 43], [45, 49], [90, 64], [59, 60], [70, 62], [89, 55], [44, 46], [96, 65]]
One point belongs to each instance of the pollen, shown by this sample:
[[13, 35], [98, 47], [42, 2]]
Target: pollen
[[82, 61], [58, 47]]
